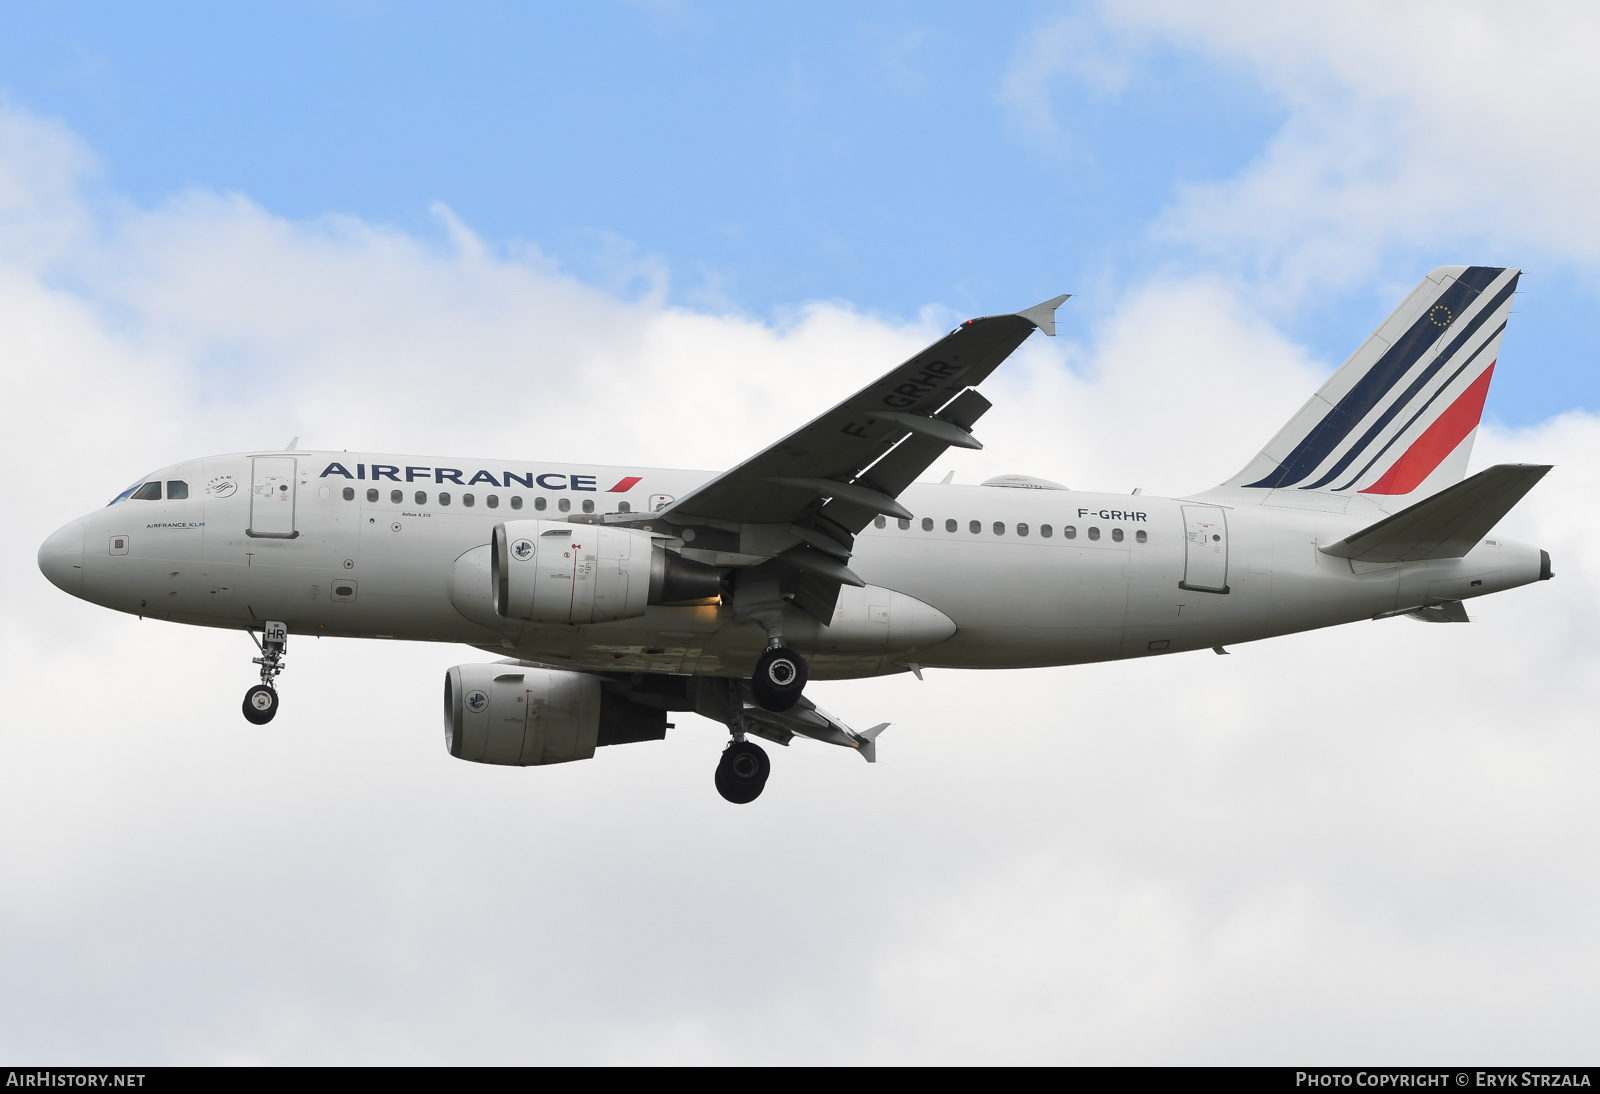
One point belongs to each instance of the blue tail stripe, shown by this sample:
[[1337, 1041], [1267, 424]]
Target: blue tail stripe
[[1423, 409], [1378, 381], [1417, 385]]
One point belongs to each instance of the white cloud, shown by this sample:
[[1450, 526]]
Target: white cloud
[[1372, 843], [1410, 130], [1410, 126]]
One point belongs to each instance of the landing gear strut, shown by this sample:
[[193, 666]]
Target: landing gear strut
[[261, 701], [742, 772], [779, 679]]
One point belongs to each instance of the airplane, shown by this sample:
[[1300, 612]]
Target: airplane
[[616, 596]]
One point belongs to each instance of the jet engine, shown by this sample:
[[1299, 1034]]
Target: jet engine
[[554, 572], [521, 715]]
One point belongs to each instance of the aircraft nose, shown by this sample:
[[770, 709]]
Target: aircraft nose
[[61, 558]]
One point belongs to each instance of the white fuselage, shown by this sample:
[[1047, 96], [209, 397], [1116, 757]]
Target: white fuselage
[[1007, 595]]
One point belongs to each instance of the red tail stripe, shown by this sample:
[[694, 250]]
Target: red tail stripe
[[1437, 441]]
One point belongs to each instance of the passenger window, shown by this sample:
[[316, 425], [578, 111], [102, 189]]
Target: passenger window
[[975, 527], [565, 505], [444, 497], [422, 497], [1116, 535], [1094, 533], [177, 490], [1069, 532], [492, 501], [396, 497], [538, 503], [516, 501], [150, 491], [879, 521], [950, 525], [1141, 535], [1046, 531], [349, 493], [468, 500], [903, 522], [927, 524], [1022, 529], [999, 528], [588, 505], [624, 507], [372, 493]]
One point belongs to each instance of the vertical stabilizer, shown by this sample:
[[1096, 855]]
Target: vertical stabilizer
[[1396, 423]]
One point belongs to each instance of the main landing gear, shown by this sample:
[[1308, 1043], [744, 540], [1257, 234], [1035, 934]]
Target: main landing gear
[[261, 701], [779, 678], [742, 772]]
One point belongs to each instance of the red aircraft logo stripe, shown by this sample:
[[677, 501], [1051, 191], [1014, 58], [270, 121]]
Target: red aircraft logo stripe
[[1437, 441], [625, 485]]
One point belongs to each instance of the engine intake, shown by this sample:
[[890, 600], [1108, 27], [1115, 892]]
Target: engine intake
[[520, 716], [554, 572]]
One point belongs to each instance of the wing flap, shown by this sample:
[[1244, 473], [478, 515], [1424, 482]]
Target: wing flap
[[910, 458], [1446, 525]]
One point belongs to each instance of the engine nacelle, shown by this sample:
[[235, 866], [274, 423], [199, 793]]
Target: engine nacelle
[[551, 571], [520, 715]]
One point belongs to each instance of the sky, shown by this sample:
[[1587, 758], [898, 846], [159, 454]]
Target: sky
[[664, 234]]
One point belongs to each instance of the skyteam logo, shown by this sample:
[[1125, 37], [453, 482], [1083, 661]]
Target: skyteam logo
[[477, 702], [522, 550]]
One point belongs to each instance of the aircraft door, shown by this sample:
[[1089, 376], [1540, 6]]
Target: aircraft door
[[272, 498], [1205, 561]]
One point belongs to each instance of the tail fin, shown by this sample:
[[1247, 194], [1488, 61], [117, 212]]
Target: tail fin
[[1397, 421]]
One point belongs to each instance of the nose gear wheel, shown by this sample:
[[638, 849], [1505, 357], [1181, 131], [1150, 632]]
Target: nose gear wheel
[[260, 704]]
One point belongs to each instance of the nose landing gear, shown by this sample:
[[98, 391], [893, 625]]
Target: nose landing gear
[[261, 701], [742, 772]]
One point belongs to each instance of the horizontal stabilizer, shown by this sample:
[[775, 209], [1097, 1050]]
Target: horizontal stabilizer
[[1446, 611], [1451, 611], [1447, 525]]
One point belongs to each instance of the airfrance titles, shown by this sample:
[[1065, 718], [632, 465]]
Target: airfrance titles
[[549, 480]]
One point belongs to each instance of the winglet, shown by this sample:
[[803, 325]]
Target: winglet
[[1043, 315], [867, 742]]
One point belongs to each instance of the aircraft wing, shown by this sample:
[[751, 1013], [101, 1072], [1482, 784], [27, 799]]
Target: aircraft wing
[[834, 474], [806, 719]]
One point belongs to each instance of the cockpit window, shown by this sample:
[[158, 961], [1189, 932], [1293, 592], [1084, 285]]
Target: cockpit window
[[139, 485], [150, 491], [177, 490]]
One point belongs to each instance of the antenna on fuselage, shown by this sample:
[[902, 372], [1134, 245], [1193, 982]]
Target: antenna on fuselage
[[292, 442]]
